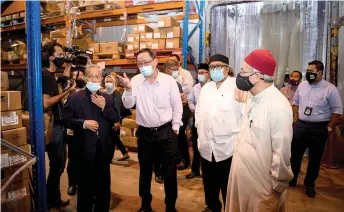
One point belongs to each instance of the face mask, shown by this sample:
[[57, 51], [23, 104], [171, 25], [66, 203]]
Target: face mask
[[80, 83], [93, 86], [293, 82], [59, 61], [109, 87], [201, 78], [311, 77], [175, 74], [243, 83], [286, 84], [217, 75], [146, 71]]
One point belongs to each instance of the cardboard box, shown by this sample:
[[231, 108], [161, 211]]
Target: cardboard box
[[147, 36], [159, 44], [173, 43], [129, 141], [167, 22], [160, 33], [26, 123], [94, 47], [59, 33], [4, 81], [111, 47], [11, 119], [17, 137], [19, 48], [19, 205], [12, 55], [134, 46], [126, 131], [10, 158], [11, 100], [142, 28], [145, 45], [4, 56], [133, 112], [8, 172], [133, 38], [174, 32], [17, 190], [129, 123], [82, 43]]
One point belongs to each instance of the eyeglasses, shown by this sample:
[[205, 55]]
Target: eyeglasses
[[141, 64], [59, 55], [212, 67], [94, 78]]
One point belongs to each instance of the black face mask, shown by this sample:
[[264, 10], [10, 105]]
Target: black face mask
[[243, 83], [59, 61], [80, 83], [311, 77]]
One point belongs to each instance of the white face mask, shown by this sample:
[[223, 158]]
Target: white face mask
[[109, 87], [146, 71], [175, 74], [93, 86]]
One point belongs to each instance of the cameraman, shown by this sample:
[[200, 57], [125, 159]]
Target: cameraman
[[53, 57]]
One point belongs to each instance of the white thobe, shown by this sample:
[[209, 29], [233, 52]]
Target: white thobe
[[218, 119], [261, 169]]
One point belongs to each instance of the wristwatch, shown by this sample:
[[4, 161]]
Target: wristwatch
[[329, 129]]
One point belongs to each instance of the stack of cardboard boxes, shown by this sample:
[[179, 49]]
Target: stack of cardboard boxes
[[128, 130], [60, 36], [18, 192], [107, 50], [168, 35]]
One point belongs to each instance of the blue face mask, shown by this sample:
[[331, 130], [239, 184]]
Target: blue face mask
[[201, 78], [217, 75], [175, 74], [93, 86], [146, 71], [109, 87]]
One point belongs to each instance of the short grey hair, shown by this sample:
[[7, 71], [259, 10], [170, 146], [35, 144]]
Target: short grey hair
[[267, 78], [91, 67]]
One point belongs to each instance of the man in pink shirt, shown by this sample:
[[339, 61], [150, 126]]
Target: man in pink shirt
[[159, 116], [294, 81]]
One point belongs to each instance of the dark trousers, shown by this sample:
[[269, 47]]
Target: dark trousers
[[215, 179], [73, 166], [196, 161], [183, 145], [120, 144], [158, 147], [56, 150], [94, 184], [312, 136]]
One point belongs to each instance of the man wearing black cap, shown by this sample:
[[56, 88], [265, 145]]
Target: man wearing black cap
[[203, 77], [218, 118]]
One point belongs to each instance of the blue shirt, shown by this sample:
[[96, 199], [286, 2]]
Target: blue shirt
[[193, 97], [323, 97]]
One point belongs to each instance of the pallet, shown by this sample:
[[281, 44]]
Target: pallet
[[109, 56], [167, 52], [14, 62]]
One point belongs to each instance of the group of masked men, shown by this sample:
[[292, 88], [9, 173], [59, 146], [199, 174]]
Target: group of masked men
[[248, 139]]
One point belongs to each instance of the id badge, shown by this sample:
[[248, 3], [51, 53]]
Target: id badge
[[308, 111]]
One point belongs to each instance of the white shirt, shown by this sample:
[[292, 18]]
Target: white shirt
[[218, 119], [157, 103], [194, 96], [185, 85], [187, 77]]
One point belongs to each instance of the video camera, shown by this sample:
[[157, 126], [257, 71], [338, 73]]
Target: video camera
[[78, 56]]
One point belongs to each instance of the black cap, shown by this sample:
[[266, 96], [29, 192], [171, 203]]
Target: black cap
[[203, 66], [220, 58]]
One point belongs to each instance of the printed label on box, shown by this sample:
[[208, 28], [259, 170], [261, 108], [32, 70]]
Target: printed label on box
[[170, 35], [149, 35], [131, 39], [130, 47], [9, 120], [157, 35], [4, 160], [169, 45], [143, 46], [155, 46], [18, 193], [141, 28], [17, 159], [161, 23]]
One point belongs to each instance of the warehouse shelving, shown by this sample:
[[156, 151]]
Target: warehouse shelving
[[34, 75]]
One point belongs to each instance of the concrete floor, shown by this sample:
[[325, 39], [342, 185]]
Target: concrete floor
[[125, 198]]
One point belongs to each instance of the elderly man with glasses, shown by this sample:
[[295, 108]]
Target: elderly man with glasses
[[218, 118]]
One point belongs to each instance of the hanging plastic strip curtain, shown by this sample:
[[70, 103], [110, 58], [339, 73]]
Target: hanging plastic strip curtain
[[294, 31]]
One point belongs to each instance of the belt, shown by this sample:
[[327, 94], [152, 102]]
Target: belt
[[310, 122], [155, 129]]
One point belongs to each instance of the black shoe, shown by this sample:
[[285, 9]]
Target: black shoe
[[192, 175], [124, 157], [207, 210], [72, 190], [64, 203], [145, 210], [171, 210], [292, 183], [181, 165], [159, 179], [310, 192]]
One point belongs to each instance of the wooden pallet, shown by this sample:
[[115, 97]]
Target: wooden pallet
[[109, 56], [14, 62]]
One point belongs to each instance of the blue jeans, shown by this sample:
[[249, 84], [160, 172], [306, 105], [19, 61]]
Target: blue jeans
[[57, 159]]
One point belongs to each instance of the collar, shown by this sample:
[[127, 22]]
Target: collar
[[89, 93], [259, 96], [318, 84], [158, 78]]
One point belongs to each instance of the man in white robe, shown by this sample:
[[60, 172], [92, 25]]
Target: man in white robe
[[261, 169]]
